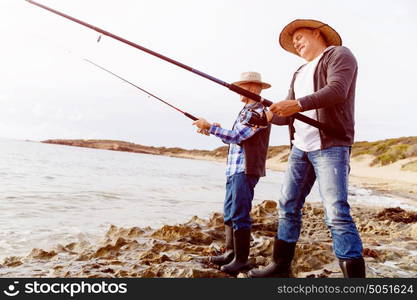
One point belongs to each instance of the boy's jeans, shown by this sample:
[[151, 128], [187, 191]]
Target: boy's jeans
[[238, 201]]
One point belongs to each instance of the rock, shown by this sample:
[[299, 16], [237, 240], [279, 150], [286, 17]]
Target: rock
[[42, 254], [12, 261], [370, 253], [398, 215], [413, 232]]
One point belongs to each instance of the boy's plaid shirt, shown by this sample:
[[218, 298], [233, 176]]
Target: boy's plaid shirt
[[239, 133]]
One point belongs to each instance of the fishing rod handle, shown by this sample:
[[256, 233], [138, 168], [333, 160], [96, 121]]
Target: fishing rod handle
[[246, 93], [330, 130], [190, 116]]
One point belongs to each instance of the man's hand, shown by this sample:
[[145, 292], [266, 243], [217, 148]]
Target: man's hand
[[203, 126], [269, 115], [285, 108]]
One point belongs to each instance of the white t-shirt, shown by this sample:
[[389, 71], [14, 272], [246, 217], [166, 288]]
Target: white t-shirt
[[306, 137]]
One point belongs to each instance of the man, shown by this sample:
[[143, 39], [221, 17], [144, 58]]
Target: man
[[322, 89], [246, 158]]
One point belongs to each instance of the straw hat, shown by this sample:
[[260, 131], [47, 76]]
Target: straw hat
[[285, 38], [246, 77]]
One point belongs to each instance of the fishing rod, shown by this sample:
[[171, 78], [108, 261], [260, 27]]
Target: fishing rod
[[232, 87], [143, 90]]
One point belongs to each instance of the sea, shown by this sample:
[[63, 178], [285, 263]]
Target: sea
[[55, 194]]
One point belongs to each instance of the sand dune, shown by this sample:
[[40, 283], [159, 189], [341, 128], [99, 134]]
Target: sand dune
[[389, 179]]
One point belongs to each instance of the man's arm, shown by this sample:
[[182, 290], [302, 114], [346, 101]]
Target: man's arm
[[277, 120], [341, 71]]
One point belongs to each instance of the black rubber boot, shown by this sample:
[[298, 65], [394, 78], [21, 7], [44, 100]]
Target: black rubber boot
[[353, 268], [241, 241], [229, 254], [280, 266]]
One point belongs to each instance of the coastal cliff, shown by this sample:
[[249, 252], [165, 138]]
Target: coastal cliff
[[114, 145]]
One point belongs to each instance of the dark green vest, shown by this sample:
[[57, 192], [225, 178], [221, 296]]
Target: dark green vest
[[256, 148]]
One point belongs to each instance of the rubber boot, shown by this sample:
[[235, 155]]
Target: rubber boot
[[353, 268], [280, 266], [241, 241], [229, 254]]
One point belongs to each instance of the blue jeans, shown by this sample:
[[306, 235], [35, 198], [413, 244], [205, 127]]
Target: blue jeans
[[331, 169], [238, 201]]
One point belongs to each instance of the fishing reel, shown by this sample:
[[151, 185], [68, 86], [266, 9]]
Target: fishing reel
[[255, 119]]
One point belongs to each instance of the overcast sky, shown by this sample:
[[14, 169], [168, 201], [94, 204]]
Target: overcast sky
[[48, 91]]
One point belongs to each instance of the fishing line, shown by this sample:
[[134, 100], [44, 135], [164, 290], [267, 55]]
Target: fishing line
[[75, 54], [143, 90], [328, 129]]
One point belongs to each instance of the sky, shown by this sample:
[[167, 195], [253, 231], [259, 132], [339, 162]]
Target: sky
[[48, 91]]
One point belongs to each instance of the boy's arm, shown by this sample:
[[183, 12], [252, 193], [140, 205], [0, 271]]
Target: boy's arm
[[235, 136]]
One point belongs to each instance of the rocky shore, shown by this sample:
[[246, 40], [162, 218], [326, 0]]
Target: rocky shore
[[181, 250]]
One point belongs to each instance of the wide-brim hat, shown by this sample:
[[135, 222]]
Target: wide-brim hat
[[247, 77], [285, 38]]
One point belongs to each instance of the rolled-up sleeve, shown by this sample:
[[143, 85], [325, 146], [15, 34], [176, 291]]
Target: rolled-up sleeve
[[277, 120]]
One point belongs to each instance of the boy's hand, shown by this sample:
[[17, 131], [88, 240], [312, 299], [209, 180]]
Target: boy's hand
[[203, 126]]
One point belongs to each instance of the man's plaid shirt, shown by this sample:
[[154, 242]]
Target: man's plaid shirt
[[239, 133]]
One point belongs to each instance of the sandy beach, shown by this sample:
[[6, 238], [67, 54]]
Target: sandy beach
[[389, 179]]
